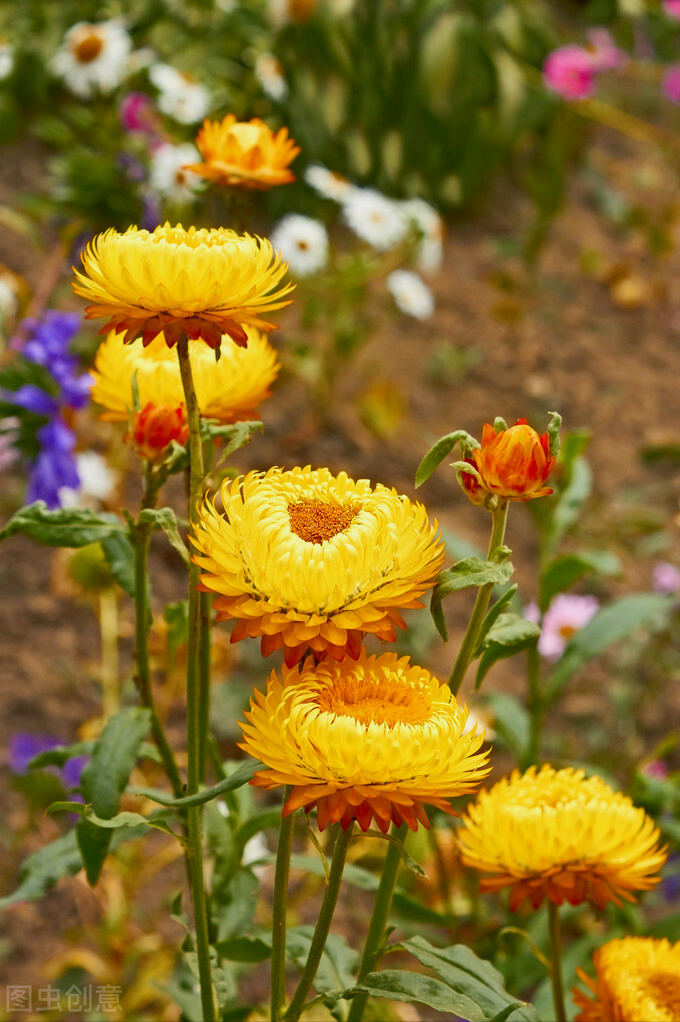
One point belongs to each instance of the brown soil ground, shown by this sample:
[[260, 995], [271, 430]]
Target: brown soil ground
[[592, 330]]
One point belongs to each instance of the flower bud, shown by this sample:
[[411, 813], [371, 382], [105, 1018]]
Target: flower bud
[[155, 427], [512, 464]]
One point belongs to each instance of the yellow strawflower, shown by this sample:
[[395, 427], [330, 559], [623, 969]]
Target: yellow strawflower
[[561, 835], [227, 390], [308, 560], [245, 154], [202, 282], [637, 979], [371, 739]]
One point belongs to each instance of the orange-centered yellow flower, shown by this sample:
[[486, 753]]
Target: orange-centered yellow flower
[[371, 739], [202, 282], [228, 390], [637, 979], [561, 835], [244, 153], [308, 560], [513, 464]]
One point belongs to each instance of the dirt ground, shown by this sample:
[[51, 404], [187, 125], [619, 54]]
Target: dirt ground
[[591, 330]]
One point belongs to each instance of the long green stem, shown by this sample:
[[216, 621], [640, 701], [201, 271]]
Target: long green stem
[[205, 606], [322, 927], [556, 961], [375, 938], [471, 638], [195, 695], [278, 980]]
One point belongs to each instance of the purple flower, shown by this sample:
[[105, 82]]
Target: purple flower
[[565, 616], [671, 83], [72, 769], [133, 168], [48, 345], [25, 747], [570, 71], [33, 399], [55, 466], [666, 578]]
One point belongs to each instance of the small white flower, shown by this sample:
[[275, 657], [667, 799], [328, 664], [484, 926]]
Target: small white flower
[[302, 242], [6, 60], [430, 226], [327, 183], [93, 57], [140, 59], [270, 76], [478, 722], [375, 218], [97, 482], [411, 293], [9, 302], [167, 175], [180, 96]]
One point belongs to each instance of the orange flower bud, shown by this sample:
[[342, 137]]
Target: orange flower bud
[[155, 427], [512, 464]]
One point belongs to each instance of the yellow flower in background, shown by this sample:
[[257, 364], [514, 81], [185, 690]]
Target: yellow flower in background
[[308, 560], [202, 282], [227, 390], [637, 979], [246, 154], [371, 739], [561, 835]]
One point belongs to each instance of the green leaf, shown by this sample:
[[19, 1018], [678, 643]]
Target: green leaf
[[176, 616], [234, 904], [339, 961], [240, 777], [104, 779], [493, 614], [570, 501], [244, 949], [125, 819], [563, 572], [611, 624], [510, 634], [120, 557], [554, 442], [471, 571], [444, 446], [237, 435], [511, 722], [60, 755], [413, 987], [164, 518], [40, 871], [69, 527]]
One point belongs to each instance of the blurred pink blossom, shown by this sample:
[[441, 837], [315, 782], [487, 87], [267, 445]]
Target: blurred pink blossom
[[604, 52], [138, 114], [666, 578], [565, 616], [671, 7], [655, 768], [570, 71], [671, 83]]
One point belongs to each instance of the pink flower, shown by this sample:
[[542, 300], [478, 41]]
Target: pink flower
[[565, 616], [666, 578], [603, 51], [671, 7], [671, 83], [655, 768], [570, 71], [138, 114]]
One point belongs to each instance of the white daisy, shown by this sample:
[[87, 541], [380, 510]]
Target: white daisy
[[302, 242], [93, 57], [411, 293], [375, 218], [327, 183], [6, 60], [180, 96], [270, 76], [167, 174], [430, 226]]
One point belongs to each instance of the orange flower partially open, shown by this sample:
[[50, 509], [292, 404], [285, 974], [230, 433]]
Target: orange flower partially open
[[154, 427], [513, 464], [246, 154]]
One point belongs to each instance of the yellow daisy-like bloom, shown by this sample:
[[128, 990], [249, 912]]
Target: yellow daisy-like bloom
[[637, 979], [247, 154], [561, 835], [227, 390], [368, 739], [202, 282], [308, 560]]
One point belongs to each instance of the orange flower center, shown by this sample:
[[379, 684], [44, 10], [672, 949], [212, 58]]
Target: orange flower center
[[566, 631], [315, 521], [88, 48], [389, 703], [302, 245]]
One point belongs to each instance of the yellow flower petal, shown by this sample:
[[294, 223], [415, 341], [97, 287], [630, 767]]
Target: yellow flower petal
[[637, 979]]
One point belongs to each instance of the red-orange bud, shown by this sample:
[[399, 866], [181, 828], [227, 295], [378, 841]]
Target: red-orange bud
[[513, 464], [155, 427]]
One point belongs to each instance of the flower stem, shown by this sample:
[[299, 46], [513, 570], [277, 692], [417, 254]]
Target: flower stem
[[196, 712], [323, 925], [375, 938], [556, 961], [280, 902], [205, 606], [466, 652]]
